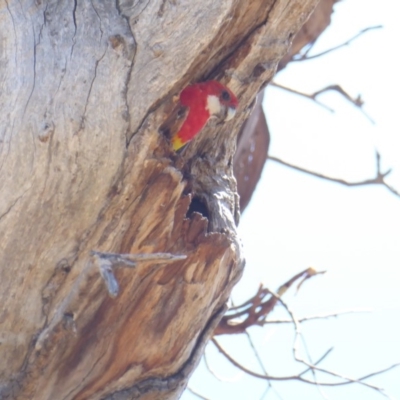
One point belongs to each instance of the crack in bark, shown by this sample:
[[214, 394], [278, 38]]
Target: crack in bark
[[75, 25], [98, 16], [126, 84], [66, 397], [128, 77], [12, 205], [9, 145], [15, 31], [34, 73], [44, 15], [36, 44], [144, 8], [42, 26], [90, 91]]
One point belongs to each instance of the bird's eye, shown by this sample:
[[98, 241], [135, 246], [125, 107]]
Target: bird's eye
[[181, 112], [225, 96]]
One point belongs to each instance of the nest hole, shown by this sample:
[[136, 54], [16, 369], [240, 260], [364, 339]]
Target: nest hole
[[199, 206]]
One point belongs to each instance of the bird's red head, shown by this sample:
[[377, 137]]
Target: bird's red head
[[204, 100]]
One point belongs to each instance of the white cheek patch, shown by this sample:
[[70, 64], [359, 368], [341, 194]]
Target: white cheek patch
[[213, 105], [230, 114]]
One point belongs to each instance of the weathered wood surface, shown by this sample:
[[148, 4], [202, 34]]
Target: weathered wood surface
[[84, 87]]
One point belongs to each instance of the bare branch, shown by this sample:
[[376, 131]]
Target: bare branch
[[259, 359], [379, 179], [312, 370], [256, 309], [197, 394], [252, 345], [299, 377], [356, 101], [319, 316], [248, 371], [217, 376], [306, 95], [305, 56], [345, 380], [318, 361], [267, 376], [270, 387], [311, 366]]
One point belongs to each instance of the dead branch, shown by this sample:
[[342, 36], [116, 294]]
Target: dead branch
[[197, 394], [305, 56], [267, 376], [256, 309], [270, 387], [310, 366], [217, 376], [379, 179], [255, 351], [345, 379], [306, 95], [356, 101], [261, 364], [319, 316]]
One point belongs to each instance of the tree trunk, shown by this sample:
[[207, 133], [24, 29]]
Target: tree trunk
[[84, 88]]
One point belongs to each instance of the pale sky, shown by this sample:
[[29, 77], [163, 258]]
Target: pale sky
[[295, 221]]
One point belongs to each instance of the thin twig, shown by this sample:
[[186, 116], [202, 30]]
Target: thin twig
[[356, 101], [318, 316], [218, 377], [254, 311], [261, 364], [318, 361], [270, 387], [310, 366], [250, 340], [253, 307], [346, 379], [248, 371], [267, 376], [379, 179], [197, 394], [305, 56], [306, 95], [312, 370], [264, 395]]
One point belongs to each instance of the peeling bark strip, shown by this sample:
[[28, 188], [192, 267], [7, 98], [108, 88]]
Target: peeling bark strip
[[107, 262], [85, 88]]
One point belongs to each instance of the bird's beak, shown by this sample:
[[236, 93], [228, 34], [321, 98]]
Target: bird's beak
[[230, 113]]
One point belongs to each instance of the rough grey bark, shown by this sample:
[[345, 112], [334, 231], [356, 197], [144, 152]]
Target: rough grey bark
[[84, 88]]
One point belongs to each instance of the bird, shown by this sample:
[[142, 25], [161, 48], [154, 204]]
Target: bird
[[197, 104]]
